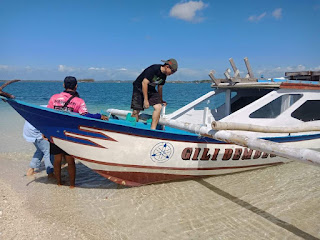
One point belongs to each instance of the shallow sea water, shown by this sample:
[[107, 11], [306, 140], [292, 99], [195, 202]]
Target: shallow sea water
[[281, 202]]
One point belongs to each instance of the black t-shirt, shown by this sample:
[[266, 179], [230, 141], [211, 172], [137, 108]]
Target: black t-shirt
[[154, 75]]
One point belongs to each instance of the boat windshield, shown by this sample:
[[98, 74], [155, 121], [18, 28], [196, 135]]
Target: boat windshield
[[214, 102], [225, 102], [276, 107]]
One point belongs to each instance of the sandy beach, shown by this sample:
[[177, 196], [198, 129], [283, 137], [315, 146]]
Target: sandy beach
[[281, 202]]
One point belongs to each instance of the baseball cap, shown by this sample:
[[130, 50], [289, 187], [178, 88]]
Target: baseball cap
[[172, 63], [70, 82]]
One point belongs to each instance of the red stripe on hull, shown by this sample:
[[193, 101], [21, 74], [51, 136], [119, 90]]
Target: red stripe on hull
[[173, 168], [134, 179]]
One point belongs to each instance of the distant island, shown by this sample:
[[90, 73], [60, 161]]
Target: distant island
[[194, 81], [86, 80]]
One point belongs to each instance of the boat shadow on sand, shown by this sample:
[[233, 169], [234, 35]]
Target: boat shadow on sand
[[86, 178]]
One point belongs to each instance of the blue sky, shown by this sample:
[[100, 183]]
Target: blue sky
[[116, 40]]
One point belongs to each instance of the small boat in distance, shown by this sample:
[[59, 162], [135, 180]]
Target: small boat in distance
[[243, 124]]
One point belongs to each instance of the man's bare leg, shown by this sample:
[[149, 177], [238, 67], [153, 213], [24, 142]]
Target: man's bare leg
[[156, 115], [71, 170], [57, 167], [135, 114]]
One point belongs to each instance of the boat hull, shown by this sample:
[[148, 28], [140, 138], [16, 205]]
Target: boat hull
[[134, 160], [135, 155]]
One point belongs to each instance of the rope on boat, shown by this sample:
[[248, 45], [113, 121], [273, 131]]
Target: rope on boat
[[5, 94]]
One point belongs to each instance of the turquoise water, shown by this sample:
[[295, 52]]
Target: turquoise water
[[101, 96]]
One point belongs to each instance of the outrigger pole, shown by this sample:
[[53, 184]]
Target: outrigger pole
[[282, 150], [217, 125]]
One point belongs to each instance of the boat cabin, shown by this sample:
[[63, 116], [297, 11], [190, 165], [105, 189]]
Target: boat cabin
[[273, 102]]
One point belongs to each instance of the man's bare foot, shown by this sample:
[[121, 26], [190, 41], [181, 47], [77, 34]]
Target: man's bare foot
[[30, 172], [72, 187], [60, 183]]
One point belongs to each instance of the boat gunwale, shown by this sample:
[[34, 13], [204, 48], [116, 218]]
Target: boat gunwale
[[158, 134]]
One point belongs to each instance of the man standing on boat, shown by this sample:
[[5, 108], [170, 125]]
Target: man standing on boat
[[144, 89]]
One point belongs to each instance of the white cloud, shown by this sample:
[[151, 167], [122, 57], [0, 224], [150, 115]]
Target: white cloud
[[123, 69], [301, 68], [4, 67], [277, 13], [255, 18], [316, 68], [63, 68], [29, 69], [190, 72], [188, 11], [97, 69], [280, 71]]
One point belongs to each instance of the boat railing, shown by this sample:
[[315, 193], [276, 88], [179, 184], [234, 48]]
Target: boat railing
[[236, 77], [312, 77], [191, 105], [304, 76]]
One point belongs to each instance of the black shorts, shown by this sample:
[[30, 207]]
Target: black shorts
[[137, 98], [54, 149]]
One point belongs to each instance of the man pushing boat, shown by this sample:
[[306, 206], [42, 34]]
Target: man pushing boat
[[68, 100], [144, 92]]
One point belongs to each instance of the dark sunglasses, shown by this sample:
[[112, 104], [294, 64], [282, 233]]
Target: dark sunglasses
[[173, 71]]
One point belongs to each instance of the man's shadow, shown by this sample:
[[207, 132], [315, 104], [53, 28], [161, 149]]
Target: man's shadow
[[85, 178]]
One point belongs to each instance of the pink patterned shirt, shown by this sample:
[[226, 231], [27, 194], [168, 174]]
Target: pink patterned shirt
[[77, 105]]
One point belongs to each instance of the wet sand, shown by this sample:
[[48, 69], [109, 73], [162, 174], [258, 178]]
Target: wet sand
[[281, 202]]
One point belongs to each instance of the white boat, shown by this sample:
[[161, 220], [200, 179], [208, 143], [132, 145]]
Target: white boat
[[243, 124]]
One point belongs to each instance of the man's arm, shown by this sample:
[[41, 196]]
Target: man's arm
[[145, 83], [84, 112], [50, 103]]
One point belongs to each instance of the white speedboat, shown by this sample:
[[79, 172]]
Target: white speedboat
[[243, 124]]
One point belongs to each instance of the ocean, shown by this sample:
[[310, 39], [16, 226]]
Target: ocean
[[280, 202], [103, 95]]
